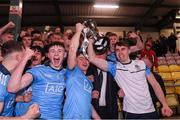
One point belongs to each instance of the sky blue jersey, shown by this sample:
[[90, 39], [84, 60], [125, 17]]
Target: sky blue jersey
[[48, 90], [112, 57], [7, 98], [22, 107], [78, 91]]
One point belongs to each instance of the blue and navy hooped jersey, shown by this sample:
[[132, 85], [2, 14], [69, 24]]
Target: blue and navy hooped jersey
[[78, 91]]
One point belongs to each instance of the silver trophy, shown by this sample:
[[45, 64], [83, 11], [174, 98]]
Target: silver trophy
[[89, 31]]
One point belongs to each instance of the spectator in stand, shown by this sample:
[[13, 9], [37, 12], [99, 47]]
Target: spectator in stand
[[36, 34], [138, 32], [6, 36], [38, 42], [163, 45], [149, 40], [29, 30], [57, 30], [149, 53], [156, 47], [67, 39], [26, 41], [172, 43], [49, 38], [57, 38]]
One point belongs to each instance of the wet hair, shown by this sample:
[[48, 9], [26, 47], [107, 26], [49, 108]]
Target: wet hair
[[10, 47], [55, 44]]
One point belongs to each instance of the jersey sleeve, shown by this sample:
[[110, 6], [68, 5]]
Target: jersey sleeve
[[33, 72], [2, 92], [3, 87], [112, 68]]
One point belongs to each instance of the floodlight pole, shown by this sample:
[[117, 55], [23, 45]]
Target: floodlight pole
[[15, 15]]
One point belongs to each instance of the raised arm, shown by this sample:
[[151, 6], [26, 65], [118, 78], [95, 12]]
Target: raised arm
[[18, 81], [6, 27], [74, 46], [139, 44], [100, 63], [166, 111]]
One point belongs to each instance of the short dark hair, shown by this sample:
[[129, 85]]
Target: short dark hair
[[123, 42], [79, 52], [37, 39], [55, 44], [35, 32], [39, 49], [26, 35], [112, 34], [10, 47]]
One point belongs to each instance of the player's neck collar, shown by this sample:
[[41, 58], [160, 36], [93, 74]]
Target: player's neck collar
[[48, 64], [4, 70], [127, 63]]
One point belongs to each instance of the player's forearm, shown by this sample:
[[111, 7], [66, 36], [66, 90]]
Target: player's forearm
[[13, 118], [14, 84], [95, 114], [75, 41], [159, 93], [100, 63], [73, 49], [139, 44], [91, 53], [3, 29]]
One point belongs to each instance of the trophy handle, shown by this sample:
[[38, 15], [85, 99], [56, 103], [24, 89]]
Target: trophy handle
[[85, 43]]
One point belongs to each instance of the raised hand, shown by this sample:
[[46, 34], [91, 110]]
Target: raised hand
[[33, 112], [121, 93], [166, 111], [79, 27], [27, 97], [10, 25], [133, 36], [95, 94], [28, 53]]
